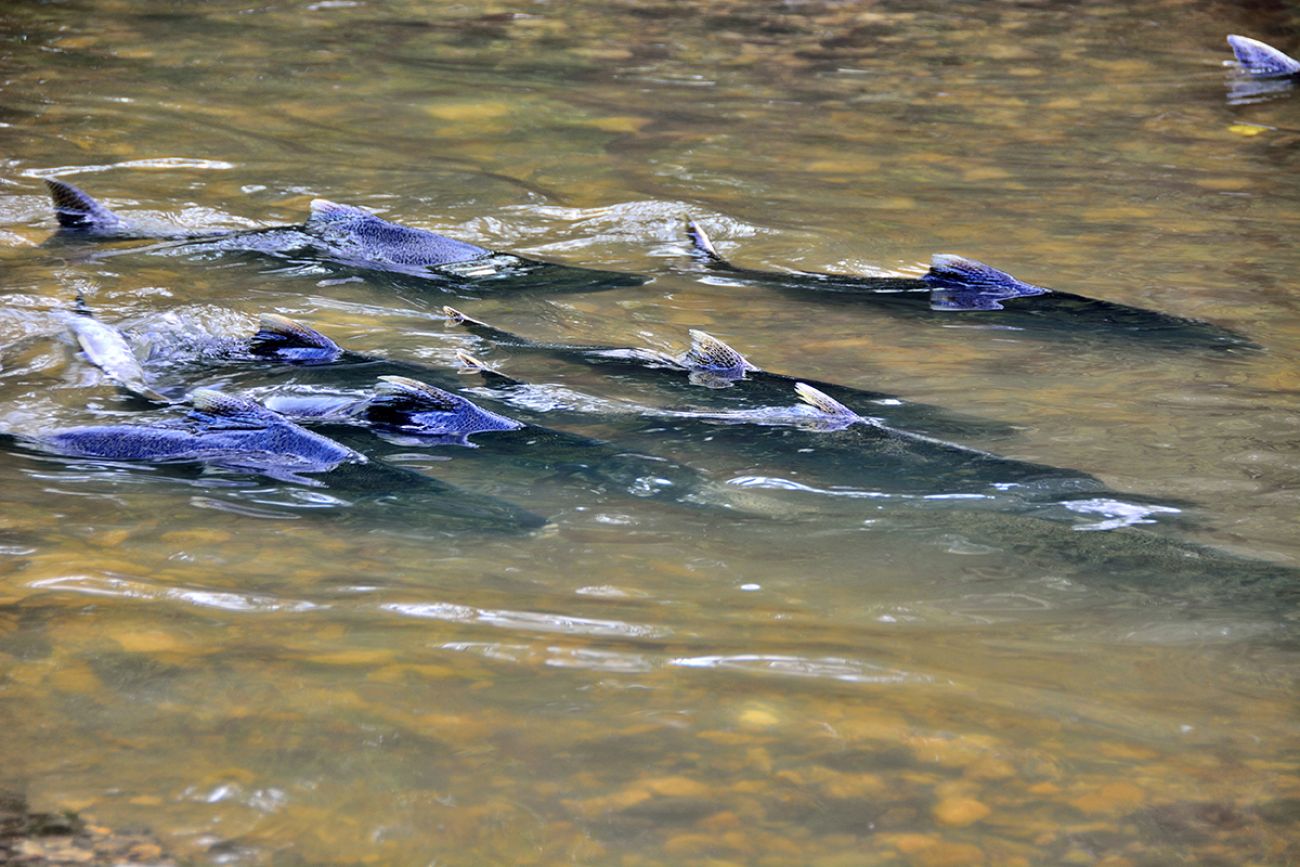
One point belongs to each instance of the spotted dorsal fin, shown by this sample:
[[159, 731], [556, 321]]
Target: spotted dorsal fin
[[412, 390], [969, 276], [1261, 59], [823, 402], [709, 352], [230, 410], [325, 211], [76, 210]]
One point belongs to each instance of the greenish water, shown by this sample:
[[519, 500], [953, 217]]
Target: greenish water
[[802, 679]]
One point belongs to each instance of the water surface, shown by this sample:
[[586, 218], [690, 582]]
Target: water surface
[[261, 674]]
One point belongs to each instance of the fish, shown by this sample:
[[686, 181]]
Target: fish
[[958, 289], [234, 433], [711, 371], [221, 430], [104, 346], [344, 235]]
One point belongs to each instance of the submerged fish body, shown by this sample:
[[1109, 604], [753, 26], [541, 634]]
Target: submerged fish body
[[967, 291], [223, 430], [345, 235], [824, 448], [713, 373]]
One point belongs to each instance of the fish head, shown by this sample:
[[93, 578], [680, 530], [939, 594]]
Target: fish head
[[280, 338]]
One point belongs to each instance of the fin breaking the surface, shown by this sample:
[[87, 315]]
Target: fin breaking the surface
[[710, 353], [325, 211], [76, 210], [470, 364], [288, 338], [959, 283], [229, 410], [1261, 59], [427, 396], [823, 402], [701, 246]]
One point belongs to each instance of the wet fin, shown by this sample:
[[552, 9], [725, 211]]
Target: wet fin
[[418, 394], [966, 284], [455, 317], [1261, 59], [709, 352], [470, 364], [76, 210], [701, 246], [277, 333], [325, 211], [823, 402], [227, 410]]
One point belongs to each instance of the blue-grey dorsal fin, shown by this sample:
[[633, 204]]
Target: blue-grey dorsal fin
[[231, 409], [1260, 58], [325, 211], [962, 276], [419, 393], [76, 210]]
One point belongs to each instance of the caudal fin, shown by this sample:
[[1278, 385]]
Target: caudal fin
[[1261, 59], [76, 210]]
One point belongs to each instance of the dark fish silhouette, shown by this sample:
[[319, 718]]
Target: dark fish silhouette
[[711, 372], [235, 433], [960, 289], [345, 235]]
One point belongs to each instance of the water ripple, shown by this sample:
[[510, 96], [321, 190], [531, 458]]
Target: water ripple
[[527, 620]]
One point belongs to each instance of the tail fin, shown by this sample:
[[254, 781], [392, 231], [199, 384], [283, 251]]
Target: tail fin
[[1261, 59], [701, 247], [76, 210]]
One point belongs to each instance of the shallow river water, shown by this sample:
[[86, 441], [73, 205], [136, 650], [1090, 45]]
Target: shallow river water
[[778, 669]]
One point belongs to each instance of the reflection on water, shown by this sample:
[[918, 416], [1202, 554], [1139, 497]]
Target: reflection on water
[[708, 654]]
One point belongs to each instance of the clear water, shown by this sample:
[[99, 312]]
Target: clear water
[[263, 676]]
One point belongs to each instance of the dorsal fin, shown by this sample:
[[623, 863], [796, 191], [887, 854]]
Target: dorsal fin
[[948, 271], [823, 402], [277, 333], [701, 245], [470, 364], [427, 396], [230, 407], [325, 211], [456, 317], [76, 210], [709, 352], [1261, 59]]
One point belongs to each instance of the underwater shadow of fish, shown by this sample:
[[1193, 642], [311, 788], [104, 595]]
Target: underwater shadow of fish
[[342, 236], [963, 291]]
